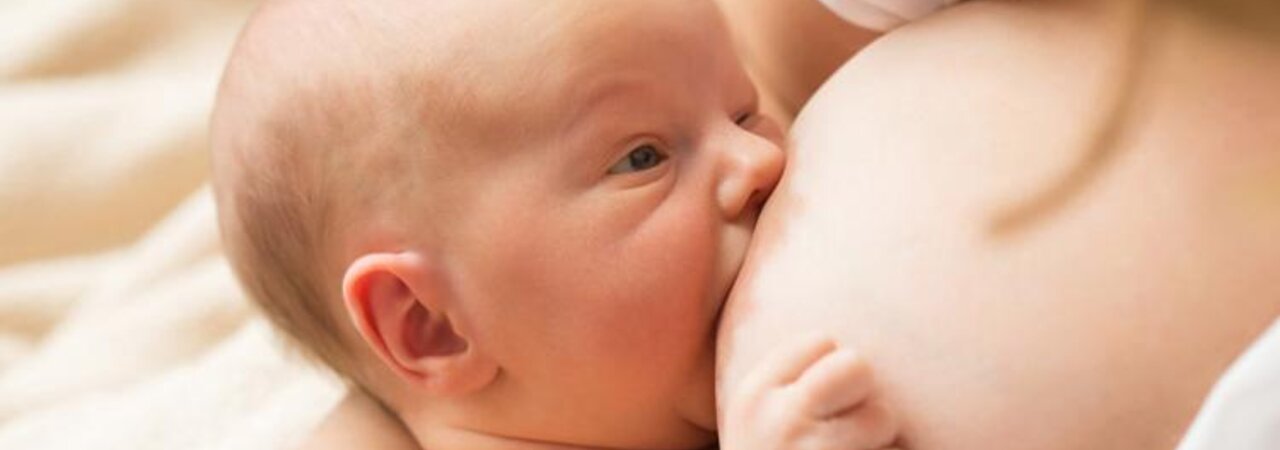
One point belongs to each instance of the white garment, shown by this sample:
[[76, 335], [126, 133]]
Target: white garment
[[884, 15], [1243, 410]]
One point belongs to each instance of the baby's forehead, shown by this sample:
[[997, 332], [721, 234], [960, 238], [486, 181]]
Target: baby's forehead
[[460, 68], [552, 61]]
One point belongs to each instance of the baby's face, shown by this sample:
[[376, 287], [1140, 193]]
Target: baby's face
[[608, 211]]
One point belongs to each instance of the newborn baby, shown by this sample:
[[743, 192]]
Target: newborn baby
[[515, 222]]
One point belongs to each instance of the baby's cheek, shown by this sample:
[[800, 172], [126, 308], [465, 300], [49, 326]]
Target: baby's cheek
[[680, 281]]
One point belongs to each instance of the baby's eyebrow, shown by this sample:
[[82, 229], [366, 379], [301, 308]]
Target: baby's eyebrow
[[620, 97], [597, 95]]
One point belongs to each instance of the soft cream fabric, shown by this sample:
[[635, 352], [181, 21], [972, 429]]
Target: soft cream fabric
[[121, 326]]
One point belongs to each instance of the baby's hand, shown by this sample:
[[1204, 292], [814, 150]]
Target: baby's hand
[[811, 395]]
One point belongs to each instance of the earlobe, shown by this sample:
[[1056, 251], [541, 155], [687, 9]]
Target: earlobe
[[401, 307]]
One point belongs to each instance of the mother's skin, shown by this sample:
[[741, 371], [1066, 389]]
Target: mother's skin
[[946, 214]]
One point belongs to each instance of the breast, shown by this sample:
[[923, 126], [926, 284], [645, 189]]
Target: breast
[[1099, 324]]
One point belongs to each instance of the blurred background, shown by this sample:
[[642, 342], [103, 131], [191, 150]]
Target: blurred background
[[120, 324]]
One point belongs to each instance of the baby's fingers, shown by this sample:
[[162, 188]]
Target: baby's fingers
[[869, 426], [835, 384], [785, 365]]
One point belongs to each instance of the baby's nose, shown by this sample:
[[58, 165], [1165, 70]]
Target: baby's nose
[[752, 168]]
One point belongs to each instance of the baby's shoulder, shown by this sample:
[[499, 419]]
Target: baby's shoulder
[[358, 422]]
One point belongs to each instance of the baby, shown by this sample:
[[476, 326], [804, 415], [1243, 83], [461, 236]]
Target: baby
[[514, 222]]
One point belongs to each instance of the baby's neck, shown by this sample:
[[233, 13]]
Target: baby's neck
[[450, 438]]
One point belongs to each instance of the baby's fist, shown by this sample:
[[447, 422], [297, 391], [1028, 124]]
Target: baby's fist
[[810, 395]]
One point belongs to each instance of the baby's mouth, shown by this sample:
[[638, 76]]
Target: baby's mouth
[[724, 297], [736, 263]]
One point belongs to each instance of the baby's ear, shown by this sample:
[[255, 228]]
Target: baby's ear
[[400, 304]]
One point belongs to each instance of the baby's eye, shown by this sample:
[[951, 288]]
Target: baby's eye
[[742, 118], [641, 158]]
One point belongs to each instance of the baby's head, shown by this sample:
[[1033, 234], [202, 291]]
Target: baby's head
[[514, 218]]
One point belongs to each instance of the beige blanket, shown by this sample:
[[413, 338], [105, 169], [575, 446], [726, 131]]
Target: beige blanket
[[120, 324]]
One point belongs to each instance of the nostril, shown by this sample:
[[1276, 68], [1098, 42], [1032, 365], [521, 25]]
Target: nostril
[[756, 201]]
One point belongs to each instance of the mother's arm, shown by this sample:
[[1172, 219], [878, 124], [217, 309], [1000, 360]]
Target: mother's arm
[[790, 47]]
